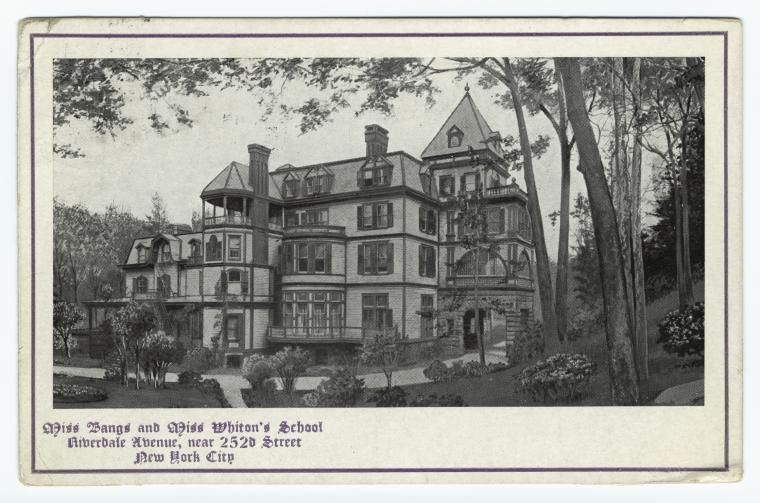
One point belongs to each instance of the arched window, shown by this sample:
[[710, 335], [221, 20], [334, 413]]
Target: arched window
[[489, 264], [164, 285], [165, 253], [523, 266], [455, 137]]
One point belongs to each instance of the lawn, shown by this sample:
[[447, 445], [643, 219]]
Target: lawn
[[174, 395]]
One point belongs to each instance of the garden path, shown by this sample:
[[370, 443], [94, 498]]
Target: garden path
[[232, 384]]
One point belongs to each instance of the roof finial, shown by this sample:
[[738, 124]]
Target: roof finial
[[467, 88]]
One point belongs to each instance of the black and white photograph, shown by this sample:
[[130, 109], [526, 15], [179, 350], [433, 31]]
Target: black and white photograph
[[378, 232]]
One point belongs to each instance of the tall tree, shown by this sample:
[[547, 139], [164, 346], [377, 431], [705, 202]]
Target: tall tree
[[66, 316], [622, 367], [158, 221]]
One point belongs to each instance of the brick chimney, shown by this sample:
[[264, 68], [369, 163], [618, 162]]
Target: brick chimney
[[258, 168], [376, 139]]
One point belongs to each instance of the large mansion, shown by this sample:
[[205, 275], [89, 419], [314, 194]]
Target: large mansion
[[325, 255]]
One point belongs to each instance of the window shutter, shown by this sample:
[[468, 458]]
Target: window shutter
[[360, 259], [390, 258], [432, 221], [328, 257], [477, 181], [223, 280], [243, 283], [463, 183], [501, 220], [390, 214], [310, 258], [239, 328], [374, 216], [289, 258], [421, 258], [442, 185], [422, 219], [359, 217], [389, 318], [134, 286], [431, 263]]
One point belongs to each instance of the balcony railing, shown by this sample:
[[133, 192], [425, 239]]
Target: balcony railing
[[195, 260], [489, 282], [323, 334], [228, 219], [161, 293], [504, 190], [306, 229]]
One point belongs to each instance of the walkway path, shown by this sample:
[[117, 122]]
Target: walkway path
[[232, 384]]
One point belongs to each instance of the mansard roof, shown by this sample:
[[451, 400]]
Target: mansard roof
[[234, 177], [475, 131]]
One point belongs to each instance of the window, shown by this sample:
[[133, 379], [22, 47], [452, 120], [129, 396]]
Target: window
[[426, 318], [317, 184], [234, 324], [451, 222], [495, 220], [164, 286], [427, 261], [375, 176], [375, 258], [290, 187], [234, 244], [142, 256], [308, 258], [302, 259], [446, 185], [195, 249], [450, 261], [140, 285], [165, 253], [213, 249], [234, 281], [427, 220], [313, 311], [426, 181], [295, 218], [375, 311], [512, 258], [455, 137], [470, 182], [374, 216]]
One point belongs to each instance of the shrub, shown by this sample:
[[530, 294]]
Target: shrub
[[77, 393], [389, 397], [341, 389], [527, 344], [288, 364], [561, 377], [190, 377], [683, 332], [160, 350], [435, 400], [586, 320], [198, 360], [256, 369], [437, 371], [212, 387]]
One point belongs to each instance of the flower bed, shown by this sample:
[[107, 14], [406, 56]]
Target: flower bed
[[438, 371], [560, 378], [77, 393]]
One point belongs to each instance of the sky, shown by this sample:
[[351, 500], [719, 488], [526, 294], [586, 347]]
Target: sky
[[127, 169]]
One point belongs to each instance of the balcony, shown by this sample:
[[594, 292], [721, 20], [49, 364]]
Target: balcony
[[161, 293], [489, 282], [194, 260], [315, 334], [227, 220], [314, 229], [505, 190]]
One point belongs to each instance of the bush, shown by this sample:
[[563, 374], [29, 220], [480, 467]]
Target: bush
[[528, 344], [198, 360], [77, 393], [683, 332], [189, 377], [256, 369], [160, 350], [561, 377], [288, 364], [341, 389], [437, 401], [213, 388], [389, 397], [438, 371], [586, 320]]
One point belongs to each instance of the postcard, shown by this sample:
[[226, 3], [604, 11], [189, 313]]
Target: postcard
[[379, 250]]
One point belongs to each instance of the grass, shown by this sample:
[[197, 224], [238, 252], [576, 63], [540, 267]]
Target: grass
[[174, 395], [82, 361]]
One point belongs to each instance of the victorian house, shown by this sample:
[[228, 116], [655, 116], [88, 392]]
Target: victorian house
[[325, 255]]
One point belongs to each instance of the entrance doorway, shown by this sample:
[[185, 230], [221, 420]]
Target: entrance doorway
[[468, 325]]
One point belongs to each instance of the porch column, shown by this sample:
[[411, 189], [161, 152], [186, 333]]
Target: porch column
[[245, 209], [224, 203]]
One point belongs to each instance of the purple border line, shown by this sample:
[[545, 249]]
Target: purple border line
[[723, 468]]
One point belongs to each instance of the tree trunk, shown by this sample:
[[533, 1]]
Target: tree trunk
[[639, 291], [560, 285], [543, 271], [688, 295], [478, 333], [622, 368], [66, 347], [74, 277]]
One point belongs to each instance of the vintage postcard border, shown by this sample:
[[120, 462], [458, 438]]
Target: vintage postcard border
[[726, 461]]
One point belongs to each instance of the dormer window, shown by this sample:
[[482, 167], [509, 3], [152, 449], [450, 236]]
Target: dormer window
[[455, 137], [374, 176], [318, 181], [142, 254], [165, 253], [290, 186]]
